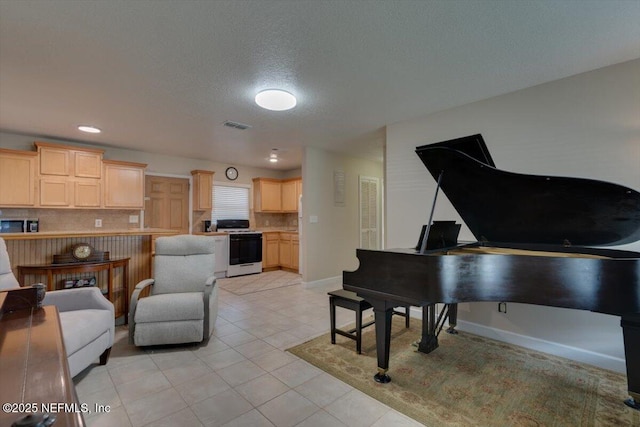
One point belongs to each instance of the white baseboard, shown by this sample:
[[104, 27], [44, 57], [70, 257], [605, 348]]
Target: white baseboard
[[329, 281], [557, 349]]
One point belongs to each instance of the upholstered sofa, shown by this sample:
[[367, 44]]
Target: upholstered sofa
[[86, 316]]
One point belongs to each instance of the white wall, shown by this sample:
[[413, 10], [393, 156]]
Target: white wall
[[330, 244], [582, 126]]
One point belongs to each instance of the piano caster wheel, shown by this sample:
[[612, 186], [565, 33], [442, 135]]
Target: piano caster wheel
[[382, 377], [630, 402], [451, 330]]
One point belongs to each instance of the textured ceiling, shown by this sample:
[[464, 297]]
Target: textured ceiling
[[163, 76]]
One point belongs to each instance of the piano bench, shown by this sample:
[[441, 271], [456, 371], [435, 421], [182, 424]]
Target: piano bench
[[351, 301]]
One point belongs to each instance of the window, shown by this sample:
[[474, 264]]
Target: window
[[230, 202]]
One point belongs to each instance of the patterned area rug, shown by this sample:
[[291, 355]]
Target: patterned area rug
[[242, 285], [474, 381]]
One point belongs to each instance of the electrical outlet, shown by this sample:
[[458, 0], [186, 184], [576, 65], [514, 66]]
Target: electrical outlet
[[502, 307], [266, 222], [133, 219], [313, 219], [98, 223]]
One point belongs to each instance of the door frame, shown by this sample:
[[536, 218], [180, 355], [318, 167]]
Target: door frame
[[173, 175]]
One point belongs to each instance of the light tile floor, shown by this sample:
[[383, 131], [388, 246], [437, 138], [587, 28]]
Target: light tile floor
[[241, 377]]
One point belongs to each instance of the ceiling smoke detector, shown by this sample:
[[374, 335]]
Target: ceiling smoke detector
[[236, 125]]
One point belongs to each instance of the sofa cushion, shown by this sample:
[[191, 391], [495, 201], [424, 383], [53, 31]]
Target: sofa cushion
[[81, 327], [170, 307]]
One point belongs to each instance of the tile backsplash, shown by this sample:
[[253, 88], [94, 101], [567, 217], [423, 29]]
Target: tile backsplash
[[286, 221], [76, 219]]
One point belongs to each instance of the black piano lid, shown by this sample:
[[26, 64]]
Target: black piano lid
[[501, 206]]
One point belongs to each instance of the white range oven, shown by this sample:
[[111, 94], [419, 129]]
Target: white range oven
[[244, 247]]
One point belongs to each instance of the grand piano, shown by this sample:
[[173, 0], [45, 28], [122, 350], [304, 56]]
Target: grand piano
[[539, 241]]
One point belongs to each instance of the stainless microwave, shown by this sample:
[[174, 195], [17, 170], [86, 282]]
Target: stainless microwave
[[17, 225]]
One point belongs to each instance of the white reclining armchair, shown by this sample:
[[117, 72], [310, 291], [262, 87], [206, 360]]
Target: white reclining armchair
[[86, 317], [183, 303]]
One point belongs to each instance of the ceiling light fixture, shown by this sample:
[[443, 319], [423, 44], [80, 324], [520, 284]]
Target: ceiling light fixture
[[276, 100], [273, 157], [89, 129]]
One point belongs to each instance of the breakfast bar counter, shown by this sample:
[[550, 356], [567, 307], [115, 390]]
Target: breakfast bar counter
[[156, 232]]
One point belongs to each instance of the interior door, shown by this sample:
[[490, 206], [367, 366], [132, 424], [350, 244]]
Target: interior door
[[166, 203]]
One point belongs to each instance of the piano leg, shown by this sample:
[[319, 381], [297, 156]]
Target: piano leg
[[429, 341], [631, 333], [382, 311], [453, 319]]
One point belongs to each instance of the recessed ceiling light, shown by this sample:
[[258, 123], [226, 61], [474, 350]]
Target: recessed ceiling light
[[276, 100], [89, 129]]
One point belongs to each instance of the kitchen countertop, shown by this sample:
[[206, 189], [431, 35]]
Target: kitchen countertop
[[87, 233]]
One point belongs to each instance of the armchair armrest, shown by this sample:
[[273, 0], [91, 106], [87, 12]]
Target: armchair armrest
[[78, 299], [133, 305]]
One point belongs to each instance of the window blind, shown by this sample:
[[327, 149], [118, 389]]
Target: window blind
[[230, 202]]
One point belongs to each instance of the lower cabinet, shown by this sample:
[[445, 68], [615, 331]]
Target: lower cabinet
[[280, 250], [295, 252], [285, 250], [270, 250]]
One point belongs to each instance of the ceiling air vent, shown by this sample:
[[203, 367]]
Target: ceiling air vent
[[236, 125]]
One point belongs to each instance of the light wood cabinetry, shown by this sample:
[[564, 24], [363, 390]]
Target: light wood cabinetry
[[280, 250], [267, 195], [270, 250], [202, 190], [295, 252], [276, 195], [285, 250], [123, 184], [69, 177], [17, 178], [289, 195]]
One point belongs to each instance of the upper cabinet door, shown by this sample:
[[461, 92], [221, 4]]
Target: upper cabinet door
[[267, 195], [17, 177], [202, 190], [54, 161], [289, 196], [87, 164], [123, 184]]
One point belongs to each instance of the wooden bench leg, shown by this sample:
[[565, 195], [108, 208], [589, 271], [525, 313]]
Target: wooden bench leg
[[359, 330], [332, 315]]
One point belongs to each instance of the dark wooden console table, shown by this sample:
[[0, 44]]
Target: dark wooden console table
[[50, 270], [34, 368]]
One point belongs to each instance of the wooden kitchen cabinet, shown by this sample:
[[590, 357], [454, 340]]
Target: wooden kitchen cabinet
[[276, 195], [70, 177], [202, 190], [290, 195], [270, 250], [62, 160], [123, 184], [295, 252], [17, 178], [286, 259], [267, 195]]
